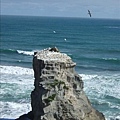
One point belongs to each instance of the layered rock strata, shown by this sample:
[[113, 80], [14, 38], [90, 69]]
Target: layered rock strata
[[58, 93]]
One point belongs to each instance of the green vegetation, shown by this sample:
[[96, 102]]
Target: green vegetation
[[53, 85], [50, 98], [57, 83]]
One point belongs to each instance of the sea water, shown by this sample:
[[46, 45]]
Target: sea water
[[94, 44]]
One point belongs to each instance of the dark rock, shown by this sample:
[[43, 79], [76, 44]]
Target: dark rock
[[28, 116], [58, 93], [54, 49]]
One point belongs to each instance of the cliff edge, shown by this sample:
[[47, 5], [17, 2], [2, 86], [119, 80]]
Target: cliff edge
[[58, 93]]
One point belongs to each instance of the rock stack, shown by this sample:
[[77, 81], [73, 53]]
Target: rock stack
[[58, 93]]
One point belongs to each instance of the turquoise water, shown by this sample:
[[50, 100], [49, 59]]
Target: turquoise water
[[94, 44]]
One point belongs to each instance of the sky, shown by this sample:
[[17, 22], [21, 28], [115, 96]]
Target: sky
[[62, 8]]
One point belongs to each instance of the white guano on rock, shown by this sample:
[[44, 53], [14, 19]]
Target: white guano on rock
[[58, 93]]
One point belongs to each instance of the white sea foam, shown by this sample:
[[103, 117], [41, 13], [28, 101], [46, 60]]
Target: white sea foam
[[16, 86], [110, 59], [102, 84], [112, 27], [87, 77], [25, 52], [113, 116], [105, 89], [13, 110], [16, 75], [16, 70], [11, 49]]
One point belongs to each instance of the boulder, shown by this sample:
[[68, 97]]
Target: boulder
[[58, 92]]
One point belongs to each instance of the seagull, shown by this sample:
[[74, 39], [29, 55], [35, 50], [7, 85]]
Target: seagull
[[65, 39], [54, 31], [89, 13]]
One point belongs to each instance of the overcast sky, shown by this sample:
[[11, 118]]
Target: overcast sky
[[62, 8]]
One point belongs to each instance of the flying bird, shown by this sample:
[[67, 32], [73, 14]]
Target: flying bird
[[54, 31], [65, 39], [89, 13]]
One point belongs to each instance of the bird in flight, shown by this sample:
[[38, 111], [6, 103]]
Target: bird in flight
[[89, 13]]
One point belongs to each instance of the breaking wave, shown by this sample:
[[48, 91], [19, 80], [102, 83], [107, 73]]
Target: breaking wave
[[16, 85], [103, 92], [15, 70], [12, 51], [25, 52]]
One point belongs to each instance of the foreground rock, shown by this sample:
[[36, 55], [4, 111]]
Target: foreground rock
[[58, 93]]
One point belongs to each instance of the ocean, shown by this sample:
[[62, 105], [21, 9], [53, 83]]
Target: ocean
[[94, 44]]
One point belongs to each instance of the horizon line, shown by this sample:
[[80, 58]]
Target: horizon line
[[60, 16]]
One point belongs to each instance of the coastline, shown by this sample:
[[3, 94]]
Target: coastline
[[97, 59]]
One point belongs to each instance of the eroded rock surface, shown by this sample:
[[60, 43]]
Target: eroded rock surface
[[58, 93]]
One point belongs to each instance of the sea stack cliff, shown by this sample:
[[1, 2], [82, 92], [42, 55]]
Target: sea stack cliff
[[58, 92]]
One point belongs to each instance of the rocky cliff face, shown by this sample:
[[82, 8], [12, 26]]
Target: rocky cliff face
[[58, 93]]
